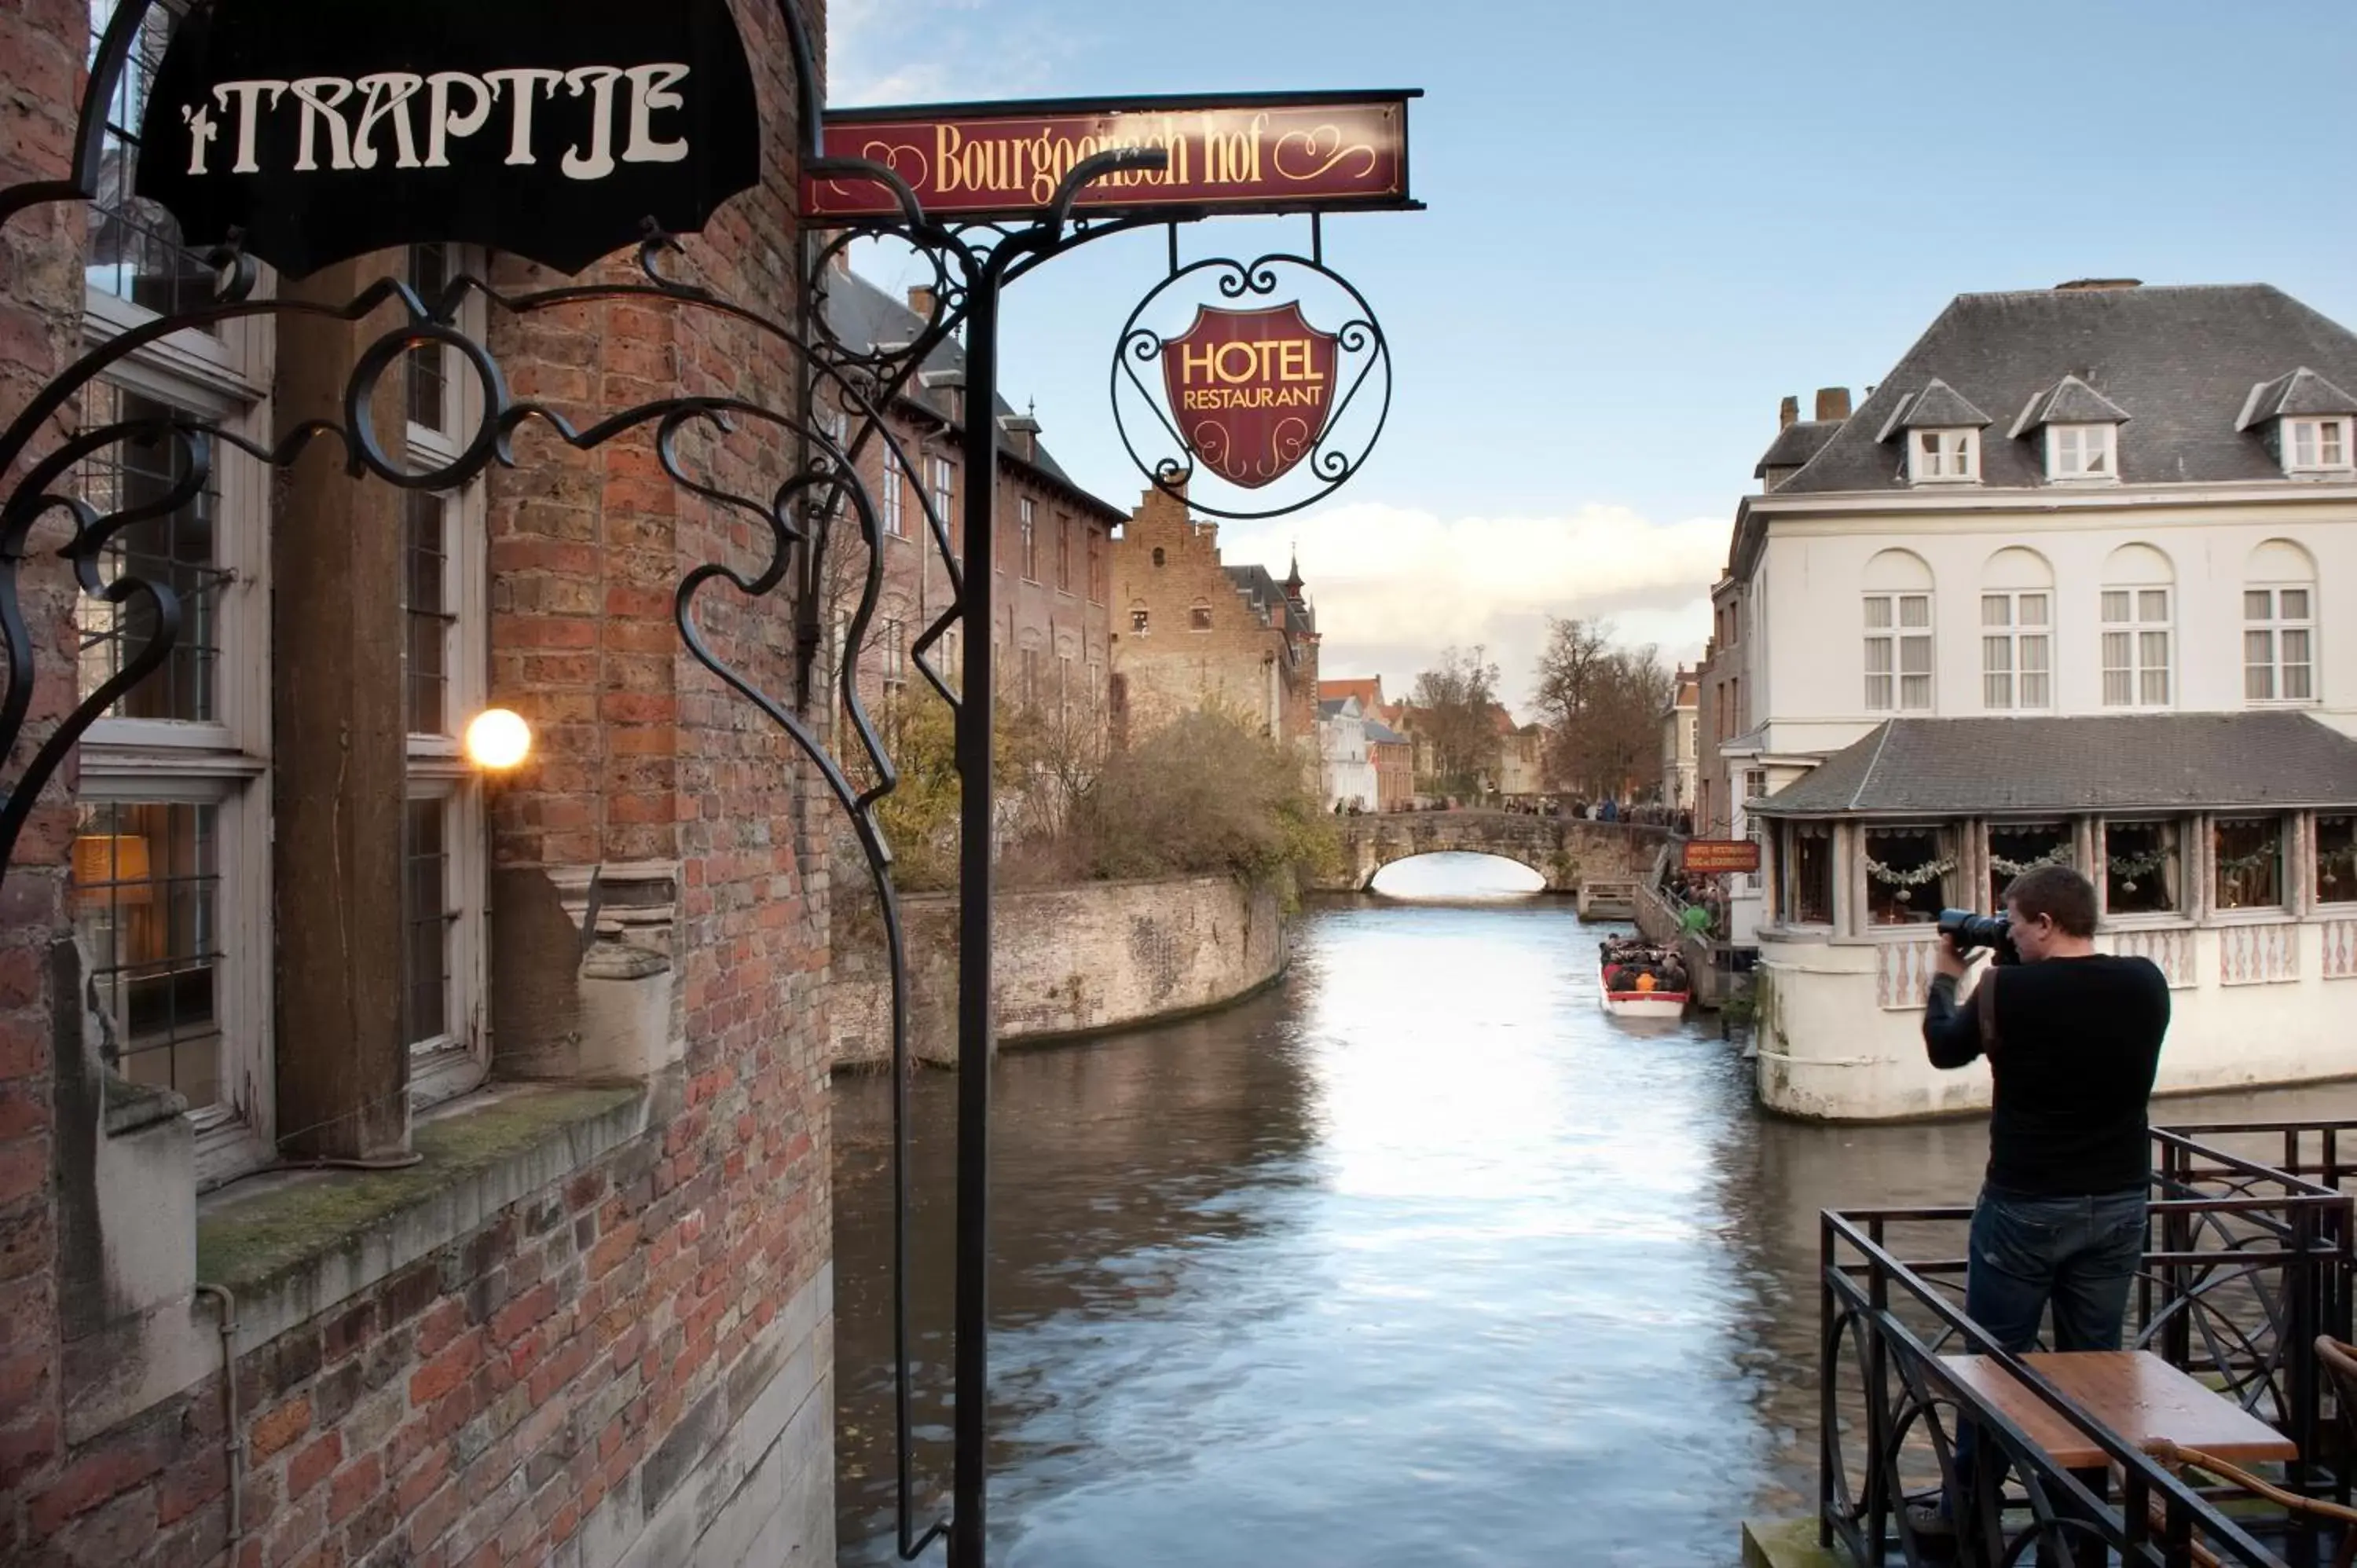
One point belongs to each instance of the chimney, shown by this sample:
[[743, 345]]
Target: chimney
[[1788, 414], [1832, 404], [921, 301]]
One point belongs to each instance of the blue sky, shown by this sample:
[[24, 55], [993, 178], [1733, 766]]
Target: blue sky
[[1649, 222]]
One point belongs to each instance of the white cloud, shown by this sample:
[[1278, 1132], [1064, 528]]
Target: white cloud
[[1394, 587]]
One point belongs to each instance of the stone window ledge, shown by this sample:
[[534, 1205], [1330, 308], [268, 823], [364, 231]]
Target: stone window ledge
[[291, 1245]]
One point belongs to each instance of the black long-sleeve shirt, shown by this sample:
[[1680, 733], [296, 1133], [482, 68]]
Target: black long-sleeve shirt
[[2072, 1045]]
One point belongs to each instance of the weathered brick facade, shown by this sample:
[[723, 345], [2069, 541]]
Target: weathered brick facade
[[1054, 540], [591, 1323], [1188, 634]]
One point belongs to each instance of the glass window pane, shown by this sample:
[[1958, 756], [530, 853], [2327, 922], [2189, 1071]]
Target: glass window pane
[[2295, 604], [1996, 690], [1915, 692], [2099, 455], [427, 610], [1996, 609], [1997, 654], [2033, 609], [1878, 612], [2116, 605], [1878, 655], [2336, 859], [2258, 604], [2247, 858], [429, 369], [2152, 605], [2258, 683], [136, 251], [1915, 655], [1915, 609], [177, 552], [426, 954], [2140, 873], [2034, 653], [1906, 875], [2035, 690], [146, 891]]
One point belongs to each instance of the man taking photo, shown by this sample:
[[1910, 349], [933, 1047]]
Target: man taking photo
[[2072, 1038]]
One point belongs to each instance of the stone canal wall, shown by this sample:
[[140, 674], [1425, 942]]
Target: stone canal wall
[[1068, 960]]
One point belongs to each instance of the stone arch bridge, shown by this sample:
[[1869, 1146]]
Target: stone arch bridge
[[1568, 854]]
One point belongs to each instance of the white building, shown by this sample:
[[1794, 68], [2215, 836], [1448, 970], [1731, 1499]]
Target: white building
[[2059, 588], [1346, 768], [1679, 735]]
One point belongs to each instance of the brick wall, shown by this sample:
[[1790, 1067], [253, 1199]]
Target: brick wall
[[626, 1359], [40, 312]]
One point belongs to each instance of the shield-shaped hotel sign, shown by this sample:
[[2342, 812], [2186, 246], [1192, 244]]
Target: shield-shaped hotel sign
[[1251, 390]]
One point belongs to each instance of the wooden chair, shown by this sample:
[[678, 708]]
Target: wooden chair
[[2339, 1362], [2180, 1460]]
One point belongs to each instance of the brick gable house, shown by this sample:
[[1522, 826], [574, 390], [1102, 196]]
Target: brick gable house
[[340, 1220], [1193, 632]]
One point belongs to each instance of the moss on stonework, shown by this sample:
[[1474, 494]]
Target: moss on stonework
[[247, 1243]]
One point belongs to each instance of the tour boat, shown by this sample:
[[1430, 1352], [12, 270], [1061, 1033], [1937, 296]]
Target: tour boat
[[1640, 980]]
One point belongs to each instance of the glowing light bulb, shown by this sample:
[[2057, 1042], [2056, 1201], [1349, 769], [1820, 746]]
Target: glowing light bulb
[[498, 740]]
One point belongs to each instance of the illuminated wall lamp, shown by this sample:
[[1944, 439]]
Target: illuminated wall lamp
[[497, 741]]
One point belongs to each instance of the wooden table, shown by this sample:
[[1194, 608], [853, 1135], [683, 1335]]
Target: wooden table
[[2135, 1393]]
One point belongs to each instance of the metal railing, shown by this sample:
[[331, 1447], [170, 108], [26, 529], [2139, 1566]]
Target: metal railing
[[2244, 1265]]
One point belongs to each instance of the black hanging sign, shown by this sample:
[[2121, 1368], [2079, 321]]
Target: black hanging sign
[[550, 128]]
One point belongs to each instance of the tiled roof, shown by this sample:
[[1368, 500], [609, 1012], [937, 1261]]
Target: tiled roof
[[2302, 392], [863, 316], [1938, 406], [2145, 761], [2068, 401], [1369, 691], [2183, 362], [1795, 445]]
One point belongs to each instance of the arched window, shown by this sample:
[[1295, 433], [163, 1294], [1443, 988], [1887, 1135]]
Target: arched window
[[2018, 632], [1199, 617], [1897, 633], [1158, 555], [2279, 623], [1140, 619], [2139, 603]]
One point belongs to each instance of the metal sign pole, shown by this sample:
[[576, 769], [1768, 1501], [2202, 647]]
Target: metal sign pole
[[976, 1044]]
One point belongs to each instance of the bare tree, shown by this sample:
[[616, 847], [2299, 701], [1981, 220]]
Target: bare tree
[[1456, 707], [1604, 704]]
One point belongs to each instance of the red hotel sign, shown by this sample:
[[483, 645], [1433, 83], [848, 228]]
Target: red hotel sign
[[1302, 153], [1252, 390], [1712, 856]]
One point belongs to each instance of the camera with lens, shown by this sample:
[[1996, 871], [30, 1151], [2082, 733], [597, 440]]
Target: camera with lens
[[1971, 932]]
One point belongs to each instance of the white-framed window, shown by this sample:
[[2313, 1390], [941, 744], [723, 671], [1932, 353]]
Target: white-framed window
[[2017, 650], [2082, 452], [940, 474], [1898, 652], [171, 862], [446, 682], [896, 521], [2279, 644], [2136, 637], [2318, 447], [1943, 457], [893, 648]]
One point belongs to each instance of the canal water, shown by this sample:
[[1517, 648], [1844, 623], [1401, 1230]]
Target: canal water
[[1415, 1260]]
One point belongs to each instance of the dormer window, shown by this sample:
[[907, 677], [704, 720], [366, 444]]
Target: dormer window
[[1943, 457], [1941, 431], [2309, 423], [2080, 452], [2317, 445]]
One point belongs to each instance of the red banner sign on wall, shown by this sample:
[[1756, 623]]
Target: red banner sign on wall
[[1320, 151], [1713, 856]]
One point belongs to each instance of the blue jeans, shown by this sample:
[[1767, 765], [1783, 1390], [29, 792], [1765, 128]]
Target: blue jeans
[[2079, 1254]]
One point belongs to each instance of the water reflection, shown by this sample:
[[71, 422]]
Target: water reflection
[[1416, 1259]]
